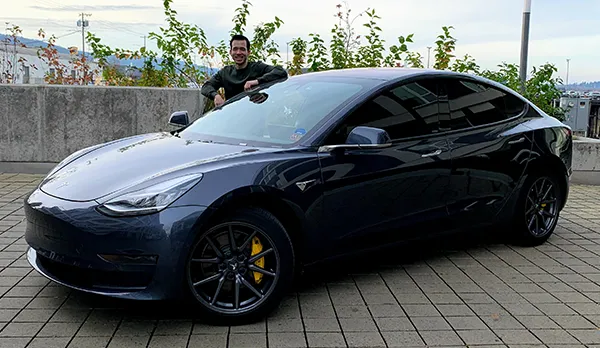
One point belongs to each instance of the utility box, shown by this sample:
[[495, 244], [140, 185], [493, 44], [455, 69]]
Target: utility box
[[578, 116]]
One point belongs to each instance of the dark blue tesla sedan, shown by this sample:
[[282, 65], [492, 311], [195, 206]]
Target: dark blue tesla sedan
[[225, 210]]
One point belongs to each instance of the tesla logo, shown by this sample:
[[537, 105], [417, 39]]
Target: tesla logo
[[303, 185]]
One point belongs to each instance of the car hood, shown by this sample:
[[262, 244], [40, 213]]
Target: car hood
[[113, 166]]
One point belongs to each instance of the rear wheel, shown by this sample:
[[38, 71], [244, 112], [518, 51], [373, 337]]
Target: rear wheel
[[240, 269], [538, 210]]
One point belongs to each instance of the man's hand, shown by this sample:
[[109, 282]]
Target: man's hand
[[250, 84], [219, 100]]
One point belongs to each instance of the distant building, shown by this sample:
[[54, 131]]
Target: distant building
[[9, 62]]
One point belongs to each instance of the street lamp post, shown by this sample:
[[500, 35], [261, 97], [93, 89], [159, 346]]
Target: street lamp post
[[568, 61], [524, 44], [428, 54]]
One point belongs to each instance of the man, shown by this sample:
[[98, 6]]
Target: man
[[241, 76]]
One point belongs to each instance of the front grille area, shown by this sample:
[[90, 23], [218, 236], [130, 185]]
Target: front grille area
[[96, 279]]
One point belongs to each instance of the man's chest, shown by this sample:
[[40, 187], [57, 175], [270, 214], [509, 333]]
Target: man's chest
[[240, 77]]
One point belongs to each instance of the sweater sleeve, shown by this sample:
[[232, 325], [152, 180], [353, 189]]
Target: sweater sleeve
[[210, 87], [268, 73]]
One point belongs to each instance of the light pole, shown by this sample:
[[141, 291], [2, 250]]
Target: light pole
[[524, 44], [567, 82], [428, 54]]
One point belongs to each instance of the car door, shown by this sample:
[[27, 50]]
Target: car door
[[379, 196], [489, 146]]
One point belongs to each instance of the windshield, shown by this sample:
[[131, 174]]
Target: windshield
[[280, 114]]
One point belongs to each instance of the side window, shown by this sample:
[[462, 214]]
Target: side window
[[469, 104], [513, 105], [407, 110]]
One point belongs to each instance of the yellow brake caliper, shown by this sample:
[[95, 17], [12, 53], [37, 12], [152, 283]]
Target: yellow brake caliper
[[257, 248]]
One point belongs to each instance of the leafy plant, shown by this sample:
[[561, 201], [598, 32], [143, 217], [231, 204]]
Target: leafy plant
[[466, 64], [445, 45], [394, 59], [178, 42], [317, 55], [344, 41], [371, 55], [262, 46], [11, 67], [77, 72], [299, 51]]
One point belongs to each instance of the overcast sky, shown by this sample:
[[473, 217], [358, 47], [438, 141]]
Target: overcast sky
[[489, 30]]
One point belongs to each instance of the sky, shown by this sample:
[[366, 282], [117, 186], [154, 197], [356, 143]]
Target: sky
[[488, 30]]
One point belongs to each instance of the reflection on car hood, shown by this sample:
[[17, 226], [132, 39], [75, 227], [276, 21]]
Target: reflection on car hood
[[120, 164]]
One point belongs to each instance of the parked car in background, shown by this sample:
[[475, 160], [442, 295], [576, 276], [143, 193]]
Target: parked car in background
[[226, 209]]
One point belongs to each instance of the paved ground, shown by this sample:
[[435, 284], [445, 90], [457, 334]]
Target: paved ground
[[472, 294]]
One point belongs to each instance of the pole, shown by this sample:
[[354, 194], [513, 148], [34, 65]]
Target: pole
[[428, 55], [82, 35], [567, 82], [525, 44], [83, 23]]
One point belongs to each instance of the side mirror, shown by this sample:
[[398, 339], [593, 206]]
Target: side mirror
[[368, 137], [179, 119], [362, 138]]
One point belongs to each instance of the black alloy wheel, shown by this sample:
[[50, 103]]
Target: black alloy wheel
[[542, 208], [241, 268], [538, 211]]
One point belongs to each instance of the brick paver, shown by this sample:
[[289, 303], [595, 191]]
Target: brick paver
[[467, 293]]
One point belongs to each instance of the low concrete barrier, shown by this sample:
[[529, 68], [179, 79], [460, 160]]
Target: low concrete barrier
[[586, 161], [46, 123], [42, 124]]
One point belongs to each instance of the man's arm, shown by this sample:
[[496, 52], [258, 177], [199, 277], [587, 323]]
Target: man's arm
[[210, 87], [268, 73]]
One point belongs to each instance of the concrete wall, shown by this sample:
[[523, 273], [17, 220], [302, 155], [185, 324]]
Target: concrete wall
[[586, 161], [586, 155], [46, 123]]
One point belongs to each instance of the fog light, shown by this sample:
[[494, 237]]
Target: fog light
[[130, 259]]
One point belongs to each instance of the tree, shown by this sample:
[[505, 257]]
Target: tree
[[75, 72], [346, 51], [184, 47], [13, 63]]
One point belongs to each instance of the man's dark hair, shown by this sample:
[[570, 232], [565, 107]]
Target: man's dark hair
[[239, 37]]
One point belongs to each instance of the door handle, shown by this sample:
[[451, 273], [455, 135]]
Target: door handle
[[520, 140], [437, 152]]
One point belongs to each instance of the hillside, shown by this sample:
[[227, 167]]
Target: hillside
[[33, 43], [584, 86]]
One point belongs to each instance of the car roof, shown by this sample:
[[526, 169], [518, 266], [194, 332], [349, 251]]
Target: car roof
[[383, 74]]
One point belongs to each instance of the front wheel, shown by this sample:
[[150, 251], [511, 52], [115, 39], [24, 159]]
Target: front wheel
[[538, 210], [240, 269]]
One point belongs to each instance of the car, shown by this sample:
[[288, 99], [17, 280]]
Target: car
[[227, 210]]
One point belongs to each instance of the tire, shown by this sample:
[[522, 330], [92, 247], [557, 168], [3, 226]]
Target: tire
[[221, 272], [524, 232]]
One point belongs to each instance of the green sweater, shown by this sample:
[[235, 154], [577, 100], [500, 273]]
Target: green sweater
[[233, 79]]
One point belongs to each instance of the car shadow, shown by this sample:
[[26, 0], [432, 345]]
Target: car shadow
[[395, 257], [110, 309]]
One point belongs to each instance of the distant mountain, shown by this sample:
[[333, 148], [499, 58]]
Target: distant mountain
[[584, 86], [33, 43]]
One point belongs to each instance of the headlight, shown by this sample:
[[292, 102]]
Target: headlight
[[149, 199]]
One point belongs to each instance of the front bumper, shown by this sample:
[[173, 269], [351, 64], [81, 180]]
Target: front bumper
[[129, 257]]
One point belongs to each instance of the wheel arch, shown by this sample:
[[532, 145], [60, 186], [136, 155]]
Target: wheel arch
[[551, 164], [271, 199]]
